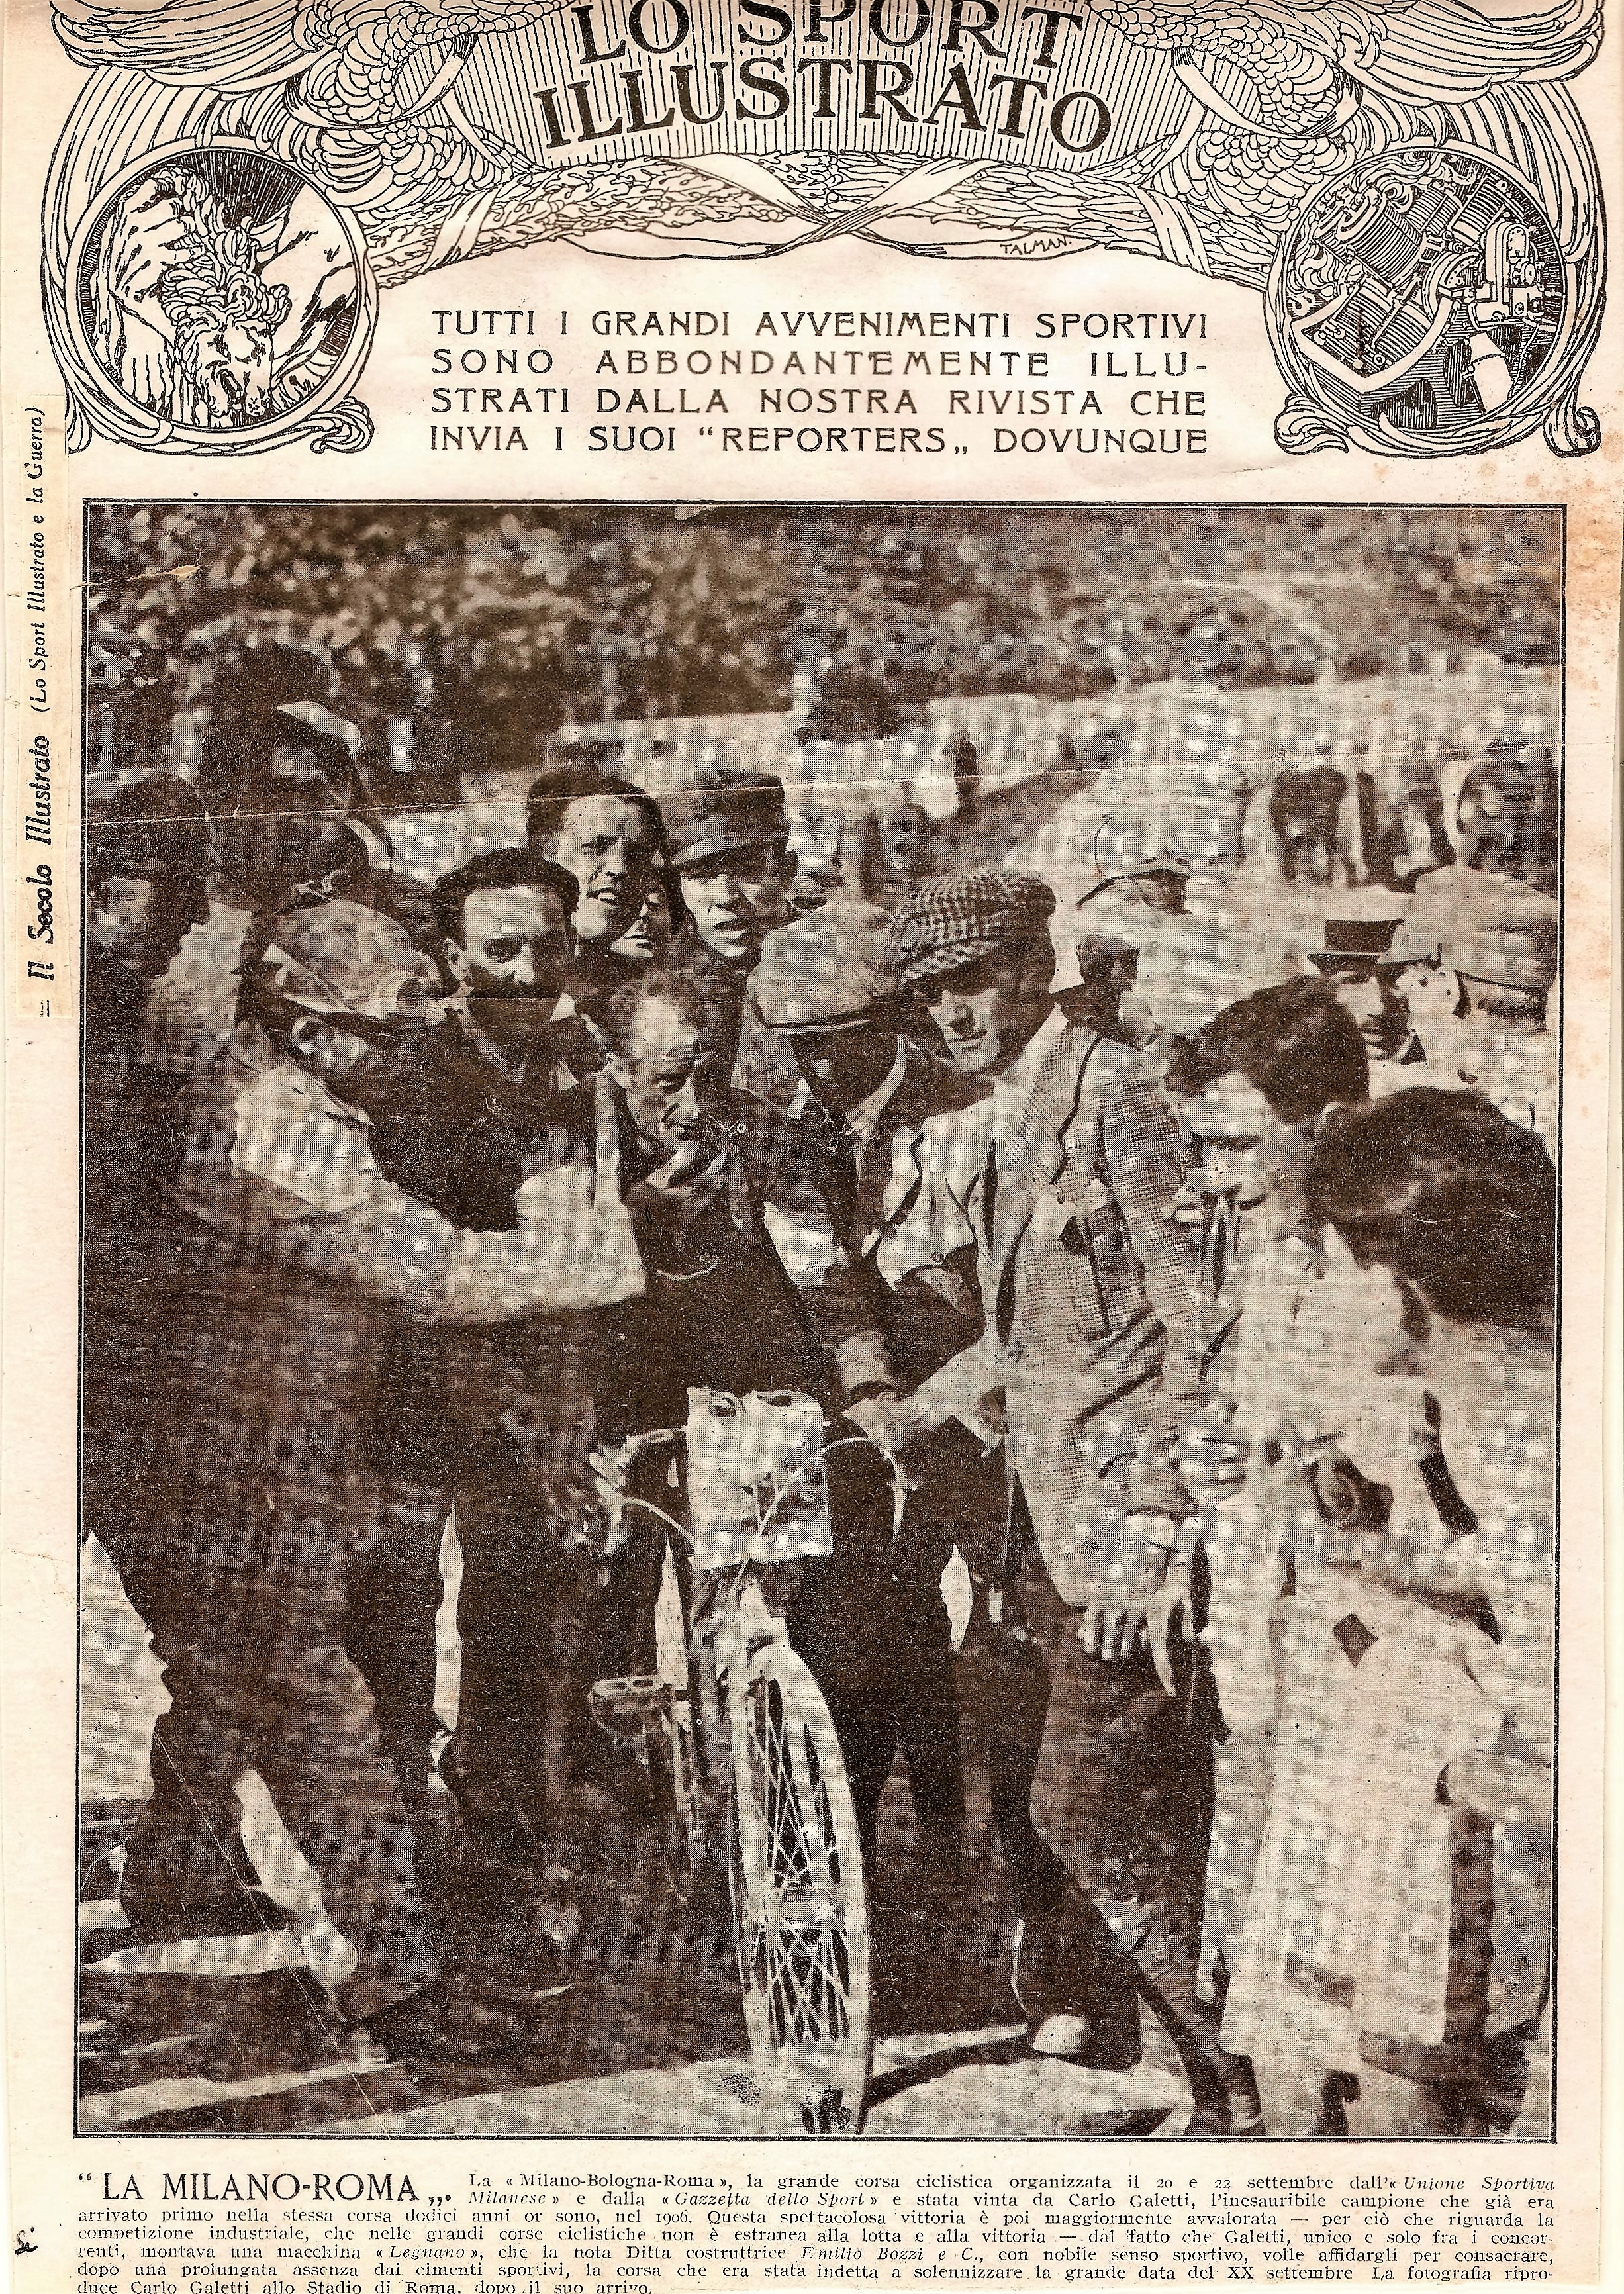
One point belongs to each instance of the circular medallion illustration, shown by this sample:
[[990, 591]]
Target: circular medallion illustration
[[215, 288], [1418, 300]]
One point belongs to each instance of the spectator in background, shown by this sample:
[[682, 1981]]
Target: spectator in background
[[1507, 814], [1303, 808], [649, 934], [910, 840], [279, 785], [1356, 955], [1285, 809], [605, 833], [422, 754], [728, 843], [1483, 952], [966, 778], [1426, 843]]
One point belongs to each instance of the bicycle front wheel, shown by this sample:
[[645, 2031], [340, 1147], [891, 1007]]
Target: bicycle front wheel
[[800, 1901]]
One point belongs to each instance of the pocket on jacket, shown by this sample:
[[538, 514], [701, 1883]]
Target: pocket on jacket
[[1118, 1281], [1083, 1311]]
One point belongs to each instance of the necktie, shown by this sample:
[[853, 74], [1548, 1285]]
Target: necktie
[[841, 1168]]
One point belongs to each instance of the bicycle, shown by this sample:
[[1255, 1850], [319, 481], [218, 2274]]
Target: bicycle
[[731, 1715]]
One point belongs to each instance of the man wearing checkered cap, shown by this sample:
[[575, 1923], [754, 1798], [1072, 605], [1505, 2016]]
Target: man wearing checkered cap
[[284, 1262], [1090, 1354]]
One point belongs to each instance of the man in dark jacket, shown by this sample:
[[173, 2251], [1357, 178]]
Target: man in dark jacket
[[826, 984], [525, 1610], [148, 857], [750, 1289]]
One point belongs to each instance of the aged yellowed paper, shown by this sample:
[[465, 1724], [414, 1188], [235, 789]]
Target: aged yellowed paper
[[809, 922]]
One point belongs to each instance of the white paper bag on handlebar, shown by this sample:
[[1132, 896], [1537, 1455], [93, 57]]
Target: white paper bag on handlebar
[[758, 1487]]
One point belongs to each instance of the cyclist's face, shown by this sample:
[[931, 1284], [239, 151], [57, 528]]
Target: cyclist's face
[[674, 1076]]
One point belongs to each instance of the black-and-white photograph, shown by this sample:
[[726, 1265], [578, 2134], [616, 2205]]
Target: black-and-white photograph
[[819, 1288]]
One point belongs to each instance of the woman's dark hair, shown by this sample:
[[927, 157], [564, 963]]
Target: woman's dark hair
[[688, 989], [552, 793], [234, 749], [1294, 1044], [1451, 1195], [497, 872]]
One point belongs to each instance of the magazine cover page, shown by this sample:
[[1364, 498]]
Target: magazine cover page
[[808, 1193]]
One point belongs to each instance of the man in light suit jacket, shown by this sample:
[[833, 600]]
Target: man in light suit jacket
[[1088, 1293], [826, 987]]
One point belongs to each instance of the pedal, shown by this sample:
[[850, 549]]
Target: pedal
[[626, 1708]]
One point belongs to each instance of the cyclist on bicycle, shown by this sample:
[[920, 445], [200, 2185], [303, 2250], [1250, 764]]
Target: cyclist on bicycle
[[750, 1289]]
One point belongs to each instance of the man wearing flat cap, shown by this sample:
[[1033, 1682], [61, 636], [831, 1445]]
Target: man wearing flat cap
[[826, 986], [1089, 1351], [727, 847], [1483, 953], [284, 1261]]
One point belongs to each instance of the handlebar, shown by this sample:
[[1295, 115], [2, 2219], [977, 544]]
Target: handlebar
[[626, 1453]]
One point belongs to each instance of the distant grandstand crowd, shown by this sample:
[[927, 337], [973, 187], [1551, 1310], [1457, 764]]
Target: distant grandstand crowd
[[481, 627]]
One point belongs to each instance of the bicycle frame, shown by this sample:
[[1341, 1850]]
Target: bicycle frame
[[795, 1866]]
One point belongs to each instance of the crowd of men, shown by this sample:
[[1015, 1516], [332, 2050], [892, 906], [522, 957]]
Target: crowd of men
[[1222, 1357]]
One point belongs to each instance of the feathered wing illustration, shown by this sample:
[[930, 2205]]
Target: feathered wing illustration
[[1272, 100], [347, 55]]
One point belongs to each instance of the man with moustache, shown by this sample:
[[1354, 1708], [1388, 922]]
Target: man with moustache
[[527, 1601], [1088, 1290], [750, 1289], [287, 1259], [505, 925]]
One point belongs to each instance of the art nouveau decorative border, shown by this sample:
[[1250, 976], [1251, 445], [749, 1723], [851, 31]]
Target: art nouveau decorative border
[[1408, 186]]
